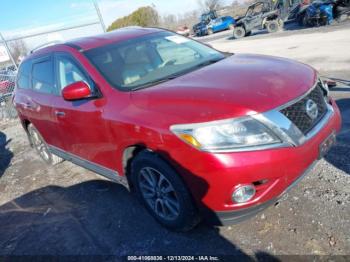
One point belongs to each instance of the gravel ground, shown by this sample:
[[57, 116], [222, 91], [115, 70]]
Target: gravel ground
[[66, 210]]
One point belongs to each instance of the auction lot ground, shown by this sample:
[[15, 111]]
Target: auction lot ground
[[68, 210]]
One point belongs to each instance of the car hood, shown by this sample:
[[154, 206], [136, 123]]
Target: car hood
[[236, 86]]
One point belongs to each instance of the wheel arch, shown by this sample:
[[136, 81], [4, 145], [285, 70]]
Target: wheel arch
[[128, 154], [25, 124]]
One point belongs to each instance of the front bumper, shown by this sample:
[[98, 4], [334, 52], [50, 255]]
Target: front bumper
[[231, 217], [212, 177]]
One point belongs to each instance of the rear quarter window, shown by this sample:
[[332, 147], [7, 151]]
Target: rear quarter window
[[23, 77]]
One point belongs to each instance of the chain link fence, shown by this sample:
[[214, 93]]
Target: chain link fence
[[7, 85], [15, 45]]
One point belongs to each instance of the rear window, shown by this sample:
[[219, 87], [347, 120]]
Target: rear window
[[23, 75], [43, 76]]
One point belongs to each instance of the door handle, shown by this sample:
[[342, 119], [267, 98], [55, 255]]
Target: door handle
[[60, 113]]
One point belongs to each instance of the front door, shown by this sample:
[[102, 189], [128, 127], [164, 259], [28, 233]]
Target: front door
[[80, 123]]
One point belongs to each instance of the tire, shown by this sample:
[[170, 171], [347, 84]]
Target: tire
[[159, 188], [210, 31], [239, 32], [41, 147], [342, 18], [272, 26]]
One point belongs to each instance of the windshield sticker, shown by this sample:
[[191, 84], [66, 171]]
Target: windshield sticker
[[177, 39]]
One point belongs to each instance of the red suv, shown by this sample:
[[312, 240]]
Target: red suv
[[192, 131]]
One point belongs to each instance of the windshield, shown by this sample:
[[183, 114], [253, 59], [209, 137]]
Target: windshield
[[148, 60]]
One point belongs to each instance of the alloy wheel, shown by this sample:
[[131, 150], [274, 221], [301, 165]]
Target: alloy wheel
[[39, 145], [159, 193]]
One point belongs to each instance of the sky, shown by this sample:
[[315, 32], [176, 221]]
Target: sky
[[24, 17], [19, 15]]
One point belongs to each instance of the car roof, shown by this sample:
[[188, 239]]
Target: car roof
[[90, 42], [118, 35]]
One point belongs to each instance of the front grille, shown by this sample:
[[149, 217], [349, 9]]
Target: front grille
[[297, 112]]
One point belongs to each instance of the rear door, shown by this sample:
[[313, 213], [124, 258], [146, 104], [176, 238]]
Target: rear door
[[36, 85], [80, 123]]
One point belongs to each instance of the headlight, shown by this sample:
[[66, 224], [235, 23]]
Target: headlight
[[226, 135]]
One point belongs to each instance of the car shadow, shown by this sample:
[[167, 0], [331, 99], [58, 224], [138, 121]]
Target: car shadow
[[339, 155], [99, 217], [5, 154]]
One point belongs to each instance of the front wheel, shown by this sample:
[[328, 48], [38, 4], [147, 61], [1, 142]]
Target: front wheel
[[41, 147], [239, 32], [163, 192], [272, 26]]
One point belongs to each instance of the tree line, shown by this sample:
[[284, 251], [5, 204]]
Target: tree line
[[148, 16]]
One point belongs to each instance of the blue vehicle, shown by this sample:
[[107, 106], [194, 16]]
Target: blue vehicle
[[211, 23], [319, 13]]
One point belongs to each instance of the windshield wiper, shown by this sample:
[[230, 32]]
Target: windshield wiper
[[208, 62], [152, 83]]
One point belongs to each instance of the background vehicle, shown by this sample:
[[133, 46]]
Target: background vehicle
[[318, 13], [6, 88], [259, 15], [322, 12], [210, 23], [183, 30], [341, 10], [7, 82]]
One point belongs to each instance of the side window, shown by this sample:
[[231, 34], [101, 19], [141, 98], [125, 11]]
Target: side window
[[23, 75], [43, 77], [68, 72], [258, 9]]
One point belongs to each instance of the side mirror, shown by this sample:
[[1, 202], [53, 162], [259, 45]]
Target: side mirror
[[76, 91]]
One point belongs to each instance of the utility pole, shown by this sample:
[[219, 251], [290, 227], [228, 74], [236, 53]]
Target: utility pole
[[99, 16], [8, 50]]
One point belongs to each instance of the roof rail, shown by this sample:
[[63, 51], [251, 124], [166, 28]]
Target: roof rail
[[45, 45]]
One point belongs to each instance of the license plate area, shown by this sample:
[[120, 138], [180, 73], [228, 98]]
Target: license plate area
[[326, 145]]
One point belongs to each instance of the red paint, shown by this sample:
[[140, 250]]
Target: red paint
[[76, 91], [99, 130]]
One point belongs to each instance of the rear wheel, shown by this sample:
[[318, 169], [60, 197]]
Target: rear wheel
[[239, 32], [41, 147], [163, 192], [272, 26]]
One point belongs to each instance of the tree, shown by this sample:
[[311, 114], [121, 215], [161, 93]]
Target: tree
[[144, 16], [169, 22], [18, 49], [210, 5]]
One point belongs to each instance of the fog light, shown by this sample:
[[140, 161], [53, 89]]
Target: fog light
[[243, 193]]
